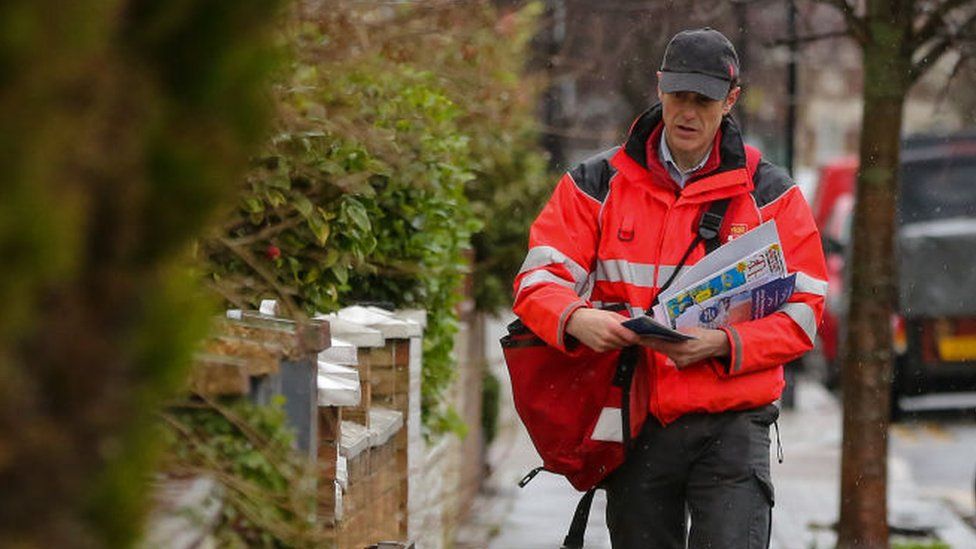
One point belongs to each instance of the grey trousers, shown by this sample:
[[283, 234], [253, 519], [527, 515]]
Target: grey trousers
[[713, 468]]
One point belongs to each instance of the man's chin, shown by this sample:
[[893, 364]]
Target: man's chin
[[685, 146]]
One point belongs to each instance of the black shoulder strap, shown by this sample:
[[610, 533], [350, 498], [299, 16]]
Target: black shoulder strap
[[574, 539], [708, 229], [623, 378], [710, 224]]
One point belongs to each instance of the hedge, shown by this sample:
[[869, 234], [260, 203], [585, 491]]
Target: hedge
[[402, 133]]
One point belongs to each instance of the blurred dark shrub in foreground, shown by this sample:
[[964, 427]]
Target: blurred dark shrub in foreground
[[125, 125]]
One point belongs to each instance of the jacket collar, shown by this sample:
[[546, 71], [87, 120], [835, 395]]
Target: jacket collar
[[723, 175]]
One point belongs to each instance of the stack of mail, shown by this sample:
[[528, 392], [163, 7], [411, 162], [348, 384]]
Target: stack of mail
[[742, 280]]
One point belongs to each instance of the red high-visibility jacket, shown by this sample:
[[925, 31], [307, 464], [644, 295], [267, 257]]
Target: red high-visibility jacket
[[616, 226]]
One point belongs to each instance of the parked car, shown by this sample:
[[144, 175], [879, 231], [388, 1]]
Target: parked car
[[935, 321]]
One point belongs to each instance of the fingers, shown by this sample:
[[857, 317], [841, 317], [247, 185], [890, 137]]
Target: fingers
[[660, 345], [610, 334], [623, 334], [681, 353], [611, 341], [620, 340]]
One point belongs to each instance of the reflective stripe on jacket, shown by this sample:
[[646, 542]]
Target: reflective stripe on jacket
[[616, 226]]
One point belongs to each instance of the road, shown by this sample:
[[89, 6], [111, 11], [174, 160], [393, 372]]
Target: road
[[939, 448]]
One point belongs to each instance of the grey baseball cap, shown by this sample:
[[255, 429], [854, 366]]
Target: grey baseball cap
[[699, 60]]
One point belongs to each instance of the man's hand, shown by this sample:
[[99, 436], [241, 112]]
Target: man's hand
[[600, 330], [710, 343]]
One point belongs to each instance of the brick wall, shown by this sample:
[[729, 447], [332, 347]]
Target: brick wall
[[377, 478]]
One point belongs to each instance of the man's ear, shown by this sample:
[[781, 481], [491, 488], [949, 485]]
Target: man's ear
[[730, 99], [659, 86]]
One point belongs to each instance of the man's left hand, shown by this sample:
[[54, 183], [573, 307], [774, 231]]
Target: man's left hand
[[709, 343]]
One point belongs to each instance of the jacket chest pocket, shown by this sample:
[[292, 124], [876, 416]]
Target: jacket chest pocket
[[625, 232]]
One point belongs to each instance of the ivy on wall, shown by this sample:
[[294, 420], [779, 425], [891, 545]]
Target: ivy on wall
[[268, 496]]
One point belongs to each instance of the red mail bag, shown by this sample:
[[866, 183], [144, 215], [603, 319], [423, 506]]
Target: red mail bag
[[560, 397]]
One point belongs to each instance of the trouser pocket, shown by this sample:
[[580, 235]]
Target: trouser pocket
[[761, 521], [765, 485]]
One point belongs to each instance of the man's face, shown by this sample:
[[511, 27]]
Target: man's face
[[691, 120]]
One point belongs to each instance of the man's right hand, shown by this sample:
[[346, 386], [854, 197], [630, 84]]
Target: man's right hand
[[600, 330]]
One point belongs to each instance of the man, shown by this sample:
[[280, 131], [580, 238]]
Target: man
[[615, 229]]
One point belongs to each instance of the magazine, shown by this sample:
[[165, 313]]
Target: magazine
[[727, 254], [744, 279], [761, 266], [747, 304]]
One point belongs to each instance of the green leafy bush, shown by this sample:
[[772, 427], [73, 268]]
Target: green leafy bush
[[491, 390], [268, 490], [919, 544], [401, 132]]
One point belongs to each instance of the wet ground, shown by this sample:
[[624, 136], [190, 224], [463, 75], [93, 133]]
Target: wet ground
[[931, 475]]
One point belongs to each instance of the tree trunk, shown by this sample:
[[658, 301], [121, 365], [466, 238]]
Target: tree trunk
[[867, 370]]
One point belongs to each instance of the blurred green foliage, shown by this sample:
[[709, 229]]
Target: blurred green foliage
[[268, 491], [402, 133], [919, 544], [491, 392], [126, 124]]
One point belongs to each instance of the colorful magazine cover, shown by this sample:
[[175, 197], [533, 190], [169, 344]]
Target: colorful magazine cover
[[763, 265], [750, 303]]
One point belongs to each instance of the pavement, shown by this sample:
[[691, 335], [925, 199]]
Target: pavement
[[807, 487]]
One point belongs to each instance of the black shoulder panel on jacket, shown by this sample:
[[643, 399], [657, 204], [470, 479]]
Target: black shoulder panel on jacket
[[592, 176], [770, 182]]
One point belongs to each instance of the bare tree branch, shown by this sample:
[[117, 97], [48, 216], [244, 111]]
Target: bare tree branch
[[266, 233], [941, 46], [581, 133], [230, 296], [956, 69], [857, 25], [842, 33], [936, 20], [929, 58], [284, 293]]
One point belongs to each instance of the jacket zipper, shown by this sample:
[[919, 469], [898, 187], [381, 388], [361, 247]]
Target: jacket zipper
[[655, 397]]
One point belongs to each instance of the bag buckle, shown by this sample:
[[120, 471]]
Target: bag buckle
[[710, 225]]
